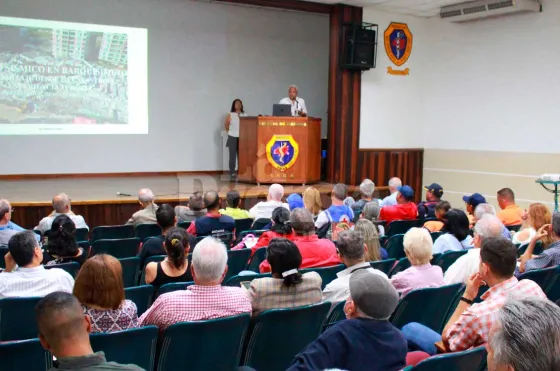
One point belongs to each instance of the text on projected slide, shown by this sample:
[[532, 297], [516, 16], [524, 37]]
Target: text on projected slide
[[70, 78]]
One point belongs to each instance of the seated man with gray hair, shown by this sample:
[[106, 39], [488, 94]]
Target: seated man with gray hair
[[5, 217], [366, 191], [488, 209], [207, 298], [371, 212], [391, 200], [61, 205], [338, 211], [148, 213], [264, 209]]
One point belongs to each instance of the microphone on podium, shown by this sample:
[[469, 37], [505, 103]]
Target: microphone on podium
[[124, 194]]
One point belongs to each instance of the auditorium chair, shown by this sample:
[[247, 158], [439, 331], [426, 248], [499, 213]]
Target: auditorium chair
[[17, 319], [449, 257], [538, 248], [235, 281], [130, 270], [401, 265], [336, 314], [276, 336], [174, 286], [27, 355], [184, 225], [122, 248], [384, 266], [260, 223], [134, 346], [435, 235], [147, 230], [112, 232], [401, 226], [203, 345], [553, 287], [72, 267], [254, 232], [513, 228], [328, 274], [469, 360], [81, 234], [237, 262], [395, 247], [435, 258], [427, 306], [141, 296], [3, 251], [258, 257], [242, 225], [540, 276]]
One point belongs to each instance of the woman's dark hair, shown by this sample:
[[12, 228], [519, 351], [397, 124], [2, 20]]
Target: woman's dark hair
[[443, 207], [284, 256], [62, 237], [281, 219], [176, 243], [457, 223], [233, 105]]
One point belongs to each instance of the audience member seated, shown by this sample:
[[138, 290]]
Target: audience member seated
[[62, 246], [525, 337], [280, 228], [405, 209], [99, 287], [337, 212], [175, 267], [549, 257], [312, 201], [264, 209], [294, 201], [471, 202], [367, 188], [194, 211], [468, 264], [456, 237], [24, 275], [214, 223], [488, 209], [427, 209], [207, 299], [441, 210], [418, 249], [391, 200], [352, 252], [287, 288], [366, 339], [537, 216], [349, 201], [371, 212], [470, 323], [148, 214], [64, 331], [315, 252], [368, 231], [61, 205], [511, 213], [5, 216], [233, 209]]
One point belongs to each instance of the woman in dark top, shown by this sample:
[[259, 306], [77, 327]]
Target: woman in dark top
[[62, 246], [175, 267]]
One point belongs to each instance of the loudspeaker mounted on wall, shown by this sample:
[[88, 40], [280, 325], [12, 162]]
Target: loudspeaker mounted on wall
[[360, 46]]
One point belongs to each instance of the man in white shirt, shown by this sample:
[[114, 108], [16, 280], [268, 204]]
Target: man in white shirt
[[25, 276], [391, 200], [351, 251], [61, 205], [298, 104], [468, 264], [264, 209]]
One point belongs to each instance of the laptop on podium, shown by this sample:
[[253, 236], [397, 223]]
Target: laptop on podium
[[282, 110]]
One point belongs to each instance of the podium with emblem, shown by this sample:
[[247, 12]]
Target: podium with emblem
[[285, 150]]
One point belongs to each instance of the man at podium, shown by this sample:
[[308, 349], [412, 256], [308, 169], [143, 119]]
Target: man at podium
[[298, 104]]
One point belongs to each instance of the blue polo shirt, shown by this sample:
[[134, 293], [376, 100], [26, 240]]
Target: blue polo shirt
[[211, 225]]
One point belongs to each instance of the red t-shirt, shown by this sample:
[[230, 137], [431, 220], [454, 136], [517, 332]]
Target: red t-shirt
[[265, 238], [408, 211], [315, 253]]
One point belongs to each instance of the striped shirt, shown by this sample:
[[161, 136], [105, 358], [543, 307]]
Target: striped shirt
[[37, 281], [548, 258]]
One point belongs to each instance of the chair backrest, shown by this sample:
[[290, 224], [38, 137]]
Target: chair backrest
[[254, 232], [135, 346], [335, 315], [435, 258], [277, 336], [446, 259], [82, 234], [147, 230], [235, 281], [151, 259], [123, 248], [170, 287], [328, 274], [384, 266], [426, 306], [258, 257], [242, 225], [513, 228], [130, 270], [112, 232], [401, 226], [17, 318], [469, 360], [184, 225], [225, 237], [538, 248], [395, 247], [436, 235], [216, 344], [3, 251], [238, 261], [553, 287], [71, 267], [260, 223], [540, 276], [141, 296], [27, 355], [401, 265]]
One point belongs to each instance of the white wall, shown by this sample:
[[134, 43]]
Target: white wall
[[201, 56]]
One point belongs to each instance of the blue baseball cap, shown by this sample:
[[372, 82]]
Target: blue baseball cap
[[475, 199], [406, 191]]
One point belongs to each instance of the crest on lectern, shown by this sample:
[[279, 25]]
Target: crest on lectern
[[282, 152]]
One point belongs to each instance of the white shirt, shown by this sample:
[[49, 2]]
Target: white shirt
[[234, 124], [264, 209], [297, 105], [449, 242], [390, 200], [46, 222], [38, 281], [516, 241], [339, 289], [463, 267]]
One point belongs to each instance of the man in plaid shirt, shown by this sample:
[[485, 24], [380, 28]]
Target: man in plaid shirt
[[549, 257], [207, 299], [470, 323]]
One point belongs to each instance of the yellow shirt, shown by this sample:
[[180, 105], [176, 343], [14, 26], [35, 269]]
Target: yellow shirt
[[235, 213], [511, 215]]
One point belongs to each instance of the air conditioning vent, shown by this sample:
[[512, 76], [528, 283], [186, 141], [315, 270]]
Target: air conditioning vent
[[474, 10], [452, 13], [500, 5]]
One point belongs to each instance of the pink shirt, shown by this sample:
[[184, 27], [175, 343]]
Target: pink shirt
[[418, 277]]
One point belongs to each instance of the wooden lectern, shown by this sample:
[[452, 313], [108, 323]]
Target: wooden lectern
[[280, 149]]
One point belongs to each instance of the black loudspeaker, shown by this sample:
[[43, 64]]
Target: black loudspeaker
[[360, 47]]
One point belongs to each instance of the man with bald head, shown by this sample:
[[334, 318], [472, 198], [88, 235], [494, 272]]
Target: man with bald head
[[264, 209], [61, 205], [213, 224], [297, 103], [64, 331], [148, 213]]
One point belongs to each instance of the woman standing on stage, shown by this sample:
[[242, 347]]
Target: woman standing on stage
[[232, 127]]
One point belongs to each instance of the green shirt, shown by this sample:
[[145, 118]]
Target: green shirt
[[235, 213]]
